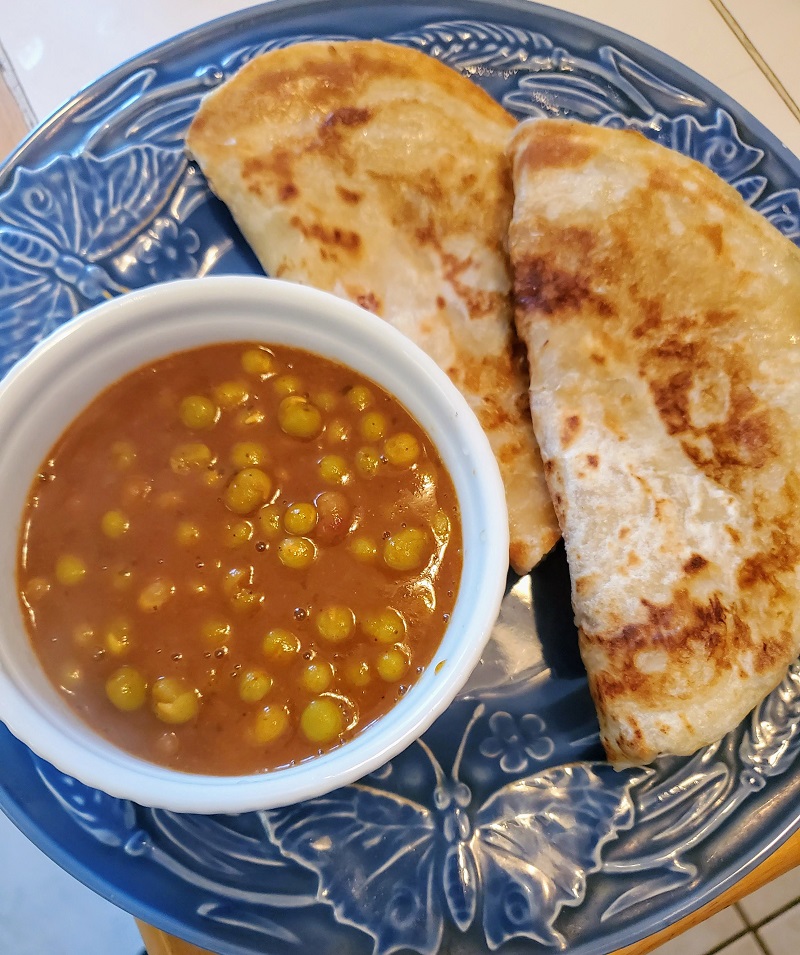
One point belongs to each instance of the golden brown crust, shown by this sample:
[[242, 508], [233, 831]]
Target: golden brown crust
[[662, 318], [377, 173]]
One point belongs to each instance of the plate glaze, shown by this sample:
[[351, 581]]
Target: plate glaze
[[502, 827]]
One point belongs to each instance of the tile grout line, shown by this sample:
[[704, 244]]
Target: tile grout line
[[760, 944], [733, 24], [9, 77], [760, 923]]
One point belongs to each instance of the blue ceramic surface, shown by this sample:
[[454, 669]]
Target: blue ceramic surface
[[502, 827]]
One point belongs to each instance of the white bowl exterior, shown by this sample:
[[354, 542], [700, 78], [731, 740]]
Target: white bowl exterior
[[42, 395]]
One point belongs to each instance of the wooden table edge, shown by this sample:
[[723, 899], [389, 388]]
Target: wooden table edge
[[784, 858]]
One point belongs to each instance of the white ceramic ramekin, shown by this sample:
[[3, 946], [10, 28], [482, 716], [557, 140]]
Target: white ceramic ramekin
[[44, 392]]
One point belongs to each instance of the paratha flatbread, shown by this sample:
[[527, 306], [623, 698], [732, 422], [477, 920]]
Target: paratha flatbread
[[376, 173], [662, 319]]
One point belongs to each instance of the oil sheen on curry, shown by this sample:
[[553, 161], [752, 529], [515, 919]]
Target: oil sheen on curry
[[237, 557]]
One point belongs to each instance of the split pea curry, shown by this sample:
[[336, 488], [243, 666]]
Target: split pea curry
[[237, 557]]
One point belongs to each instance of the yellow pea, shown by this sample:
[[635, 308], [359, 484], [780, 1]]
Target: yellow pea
[[114, 524], [363, 549], [386, 625], [71, 677], [237, 533], [440, 525], [325, 400], [126, 688], [37, 588], [372, 426], [231, 394], [270, 520], [84, 635], [192, 456], [333, 469], [391, 665], [187, 533], [238, 587], [401, 449], [173, 701], [248, 417], [296, 552], [122, 579], [246, 600], [298, 418], [136, 489], [258, 361], [118, 637], [237, 578], [270, 723], [316, 677], [287, 385], [70, 570], [280, 645], [357, 673], [169, 500], [215, 631], [367, 462], [123, 454], [359, 397], [300, 518], [322, 720], [213, 476], [254, 686], [197, 412], [335, 623], [248, 454], [406, 550], [337, 432], [247, 490], [155, 595]]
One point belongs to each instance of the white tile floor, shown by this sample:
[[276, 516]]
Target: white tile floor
[[765, 923], [44, 911]]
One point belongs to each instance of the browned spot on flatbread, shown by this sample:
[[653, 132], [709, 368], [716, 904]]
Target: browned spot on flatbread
[[542, 286], [695, 564], [369, 301], [347, 116], [344, 239], [440, 302], [570, 429], [287, 191], [349, 196], [713, 232], [687, 630], [678, 370], [558, 152], [652, 313], [767, 567], [592, 460]]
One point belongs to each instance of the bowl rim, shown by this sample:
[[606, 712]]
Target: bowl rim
[[340, 324]]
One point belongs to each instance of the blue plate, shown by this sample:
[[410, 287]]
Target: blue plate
[[503, 826]]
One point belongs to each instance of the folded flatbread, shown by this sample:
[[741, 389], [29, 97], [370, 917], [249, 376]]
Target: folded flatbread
[[377, 173], [662, 320]]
